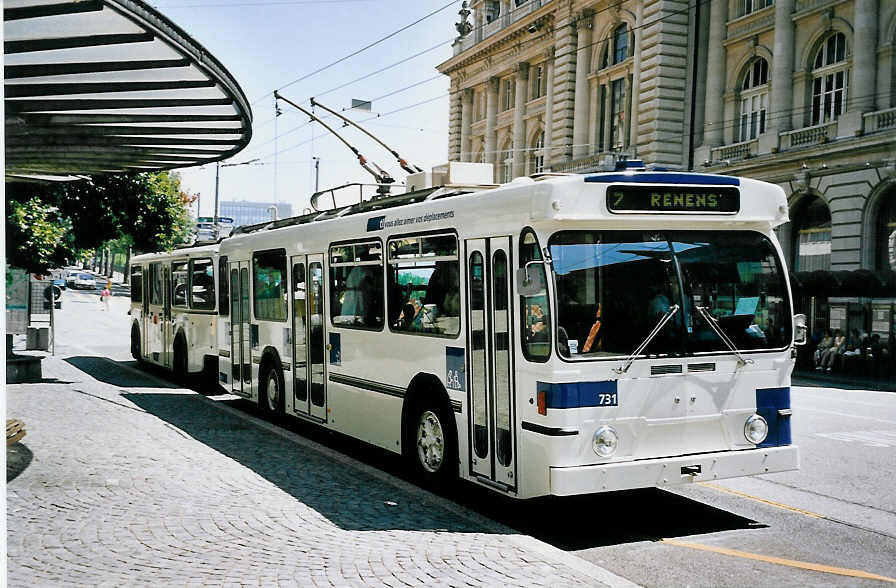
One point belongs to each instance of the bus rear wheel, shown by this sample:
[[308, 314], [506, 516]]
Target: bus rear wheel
[[270, 396], [430, 446], [180, 360]]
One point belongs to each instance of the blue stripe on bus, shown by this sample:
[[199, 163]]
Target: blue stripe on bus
[[576, 394], [664, 178], [768, 402]]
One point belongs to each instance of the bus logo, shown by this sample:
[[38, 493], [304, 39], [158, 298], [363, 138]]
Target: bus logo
[[376, 223]]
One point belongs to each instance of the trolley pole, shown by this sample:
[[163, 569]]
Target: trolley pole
[[316, 173]]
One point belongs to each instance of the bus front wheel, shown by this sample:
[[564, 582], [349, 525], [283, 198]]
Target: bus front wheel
[[431, 446], [271, 399]]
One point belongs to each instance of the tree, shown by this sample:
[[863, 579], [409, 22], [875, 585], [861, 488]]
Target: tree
[[47, 224]]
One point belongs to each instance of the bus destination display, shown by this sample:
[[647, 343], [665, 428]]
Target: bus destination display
[[673, 199]]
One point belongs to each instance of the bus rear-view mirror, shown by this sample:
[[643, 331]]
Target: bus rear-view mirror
[[530, 282], [799, 329]]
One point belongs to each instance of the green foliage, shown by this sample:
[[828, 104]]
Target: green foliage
[[146, 211]]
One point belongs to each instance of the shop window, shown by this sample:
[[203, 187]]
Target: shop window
[[812, 236]]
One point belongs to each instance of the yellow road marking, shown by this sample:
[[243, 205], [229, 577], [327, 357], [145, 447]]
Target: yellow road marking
[[808, 513], [781, 561]]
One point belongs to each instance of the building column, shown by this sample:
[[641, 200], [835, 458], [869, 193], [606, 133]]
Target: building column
[[580, 146], [715, 75], [466, 117], [491, 117], [636, 82], [454, 121], [519, 123], [548, 106], [593, 113], [781, 99], [863, 86], [715, 78]]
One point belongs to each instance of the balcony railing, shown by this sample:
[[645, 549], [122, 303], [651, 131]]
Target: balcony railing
[[809, 136], [595, 162], [500, 23], [734, 151], [882, 120]]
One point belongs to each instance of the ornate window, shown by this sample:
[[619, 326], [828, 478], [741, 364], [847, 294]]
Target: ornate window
[[620, 44], [617, 114], [754, 100], [538, 81], [507, 94], [536, 160], [830, 79], [812, 228], [748, 6], [506, 163], [492, 10]]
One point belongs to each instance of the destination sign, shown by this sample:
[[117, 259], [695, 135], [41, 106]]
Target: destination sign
[[722, 199]]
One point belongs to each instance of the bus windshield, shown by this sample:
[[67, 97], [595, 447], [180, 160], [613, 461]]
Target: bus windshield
[[614, 288]]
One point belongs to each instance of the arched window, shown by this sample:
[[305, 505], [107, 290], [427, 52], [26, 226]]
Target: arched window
[[536, 160], [830, 79], [620, 44], [885, 241], [754, 100], [812, 236]]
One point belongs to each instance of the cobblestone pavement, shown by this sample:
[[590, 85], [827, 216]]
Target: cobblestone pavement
[[125, 480]]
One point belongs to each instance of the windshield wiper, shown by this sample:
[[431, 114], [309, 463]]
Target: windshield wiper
[[714, 325], [631, 358]]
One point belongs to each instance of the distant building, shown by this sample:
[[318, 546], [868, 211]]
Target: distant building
[[244, 212]]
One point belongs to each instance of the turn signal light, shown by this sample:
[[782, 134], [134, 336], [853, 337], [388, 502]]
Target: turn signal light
[[542, 402]]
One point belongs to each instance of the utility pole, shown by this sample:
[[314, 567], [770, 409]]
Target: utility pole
[[217, 183]]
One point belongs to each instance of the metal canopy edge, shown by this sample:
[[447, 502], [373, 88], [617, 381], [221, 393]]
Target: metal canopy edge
[[98, 96]]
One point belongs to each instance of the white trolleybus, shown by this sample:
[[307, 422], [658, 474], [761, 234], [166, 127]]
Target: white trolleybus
[[174, 310], [561, 335]]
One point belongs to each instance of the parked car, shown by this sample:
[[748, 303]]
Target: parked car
[[84, 281]]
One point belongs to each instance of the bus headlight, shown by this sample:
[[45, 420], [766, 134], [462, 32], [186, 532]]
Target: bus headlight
[[755, 429], [605, 441]]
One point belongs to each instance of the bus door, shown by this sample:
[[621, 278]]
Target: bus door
[[145, 317], [240, 344], [491, 414], [166, 321], [309, 372]]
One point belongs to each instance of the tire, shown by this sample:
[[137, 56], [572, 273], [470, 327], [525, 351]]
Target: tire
[[181, 371], [270, 392], [430, 446], [136, 352]]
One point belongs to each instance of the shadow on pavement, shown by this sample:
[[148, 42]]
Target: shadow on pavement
[[349, 498], [18, 458], [109, 371], [354, 500]]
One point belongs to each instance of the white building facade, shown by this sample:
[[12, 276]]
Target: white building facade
[[801, 93]]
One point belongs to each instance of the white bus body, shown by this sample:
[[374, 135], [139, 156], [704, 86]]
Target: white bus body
[[174, 309], [406, 327]]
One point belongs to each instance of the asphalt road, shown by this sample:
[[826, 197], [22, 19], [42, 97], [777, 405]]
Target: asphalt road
[[832, 523]]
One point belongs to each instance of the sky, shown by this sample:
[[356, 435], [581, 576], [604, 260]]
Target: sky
[[270, 45]]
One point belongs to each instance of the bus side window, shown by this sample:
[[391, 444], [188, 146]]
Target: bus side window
[[535, 310], [136, 283], [180, 279], [269, 285], [223, 287], [202, 284], [356, 285]]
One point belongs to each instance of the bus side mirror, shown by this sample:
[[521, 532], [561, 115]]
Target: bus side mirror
[[799, 329], [530, 283]]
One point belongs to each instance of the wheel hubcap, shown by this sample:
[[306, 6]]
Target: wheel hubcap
[[273, 392], [430, 442]]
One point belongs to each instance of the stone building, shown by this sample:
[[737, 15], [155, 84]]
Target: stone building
[[801, 93]]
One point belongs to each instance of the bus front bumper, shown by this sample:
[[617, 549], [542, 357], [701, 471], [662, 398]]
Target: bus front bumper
[[671, 471]]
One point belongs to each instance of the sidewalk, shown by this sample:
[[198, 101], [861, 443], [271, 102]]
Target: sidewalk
[[124, 479], [841, 380]]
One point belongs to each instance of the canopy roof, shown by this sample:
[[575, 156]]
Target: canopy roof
[[106, 86]]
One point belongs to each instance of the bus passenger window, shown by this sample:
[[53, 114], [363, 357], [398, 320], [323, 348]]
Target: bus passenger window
[[269, 285], [202, 284], [424, 285], [356, 285], [536, 312], [155, 283], [224, 289], [136, 283], [179, 283]]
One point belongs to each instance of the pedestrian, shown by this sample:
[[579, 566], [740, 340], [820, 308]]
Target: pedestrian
[[104, 297]]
